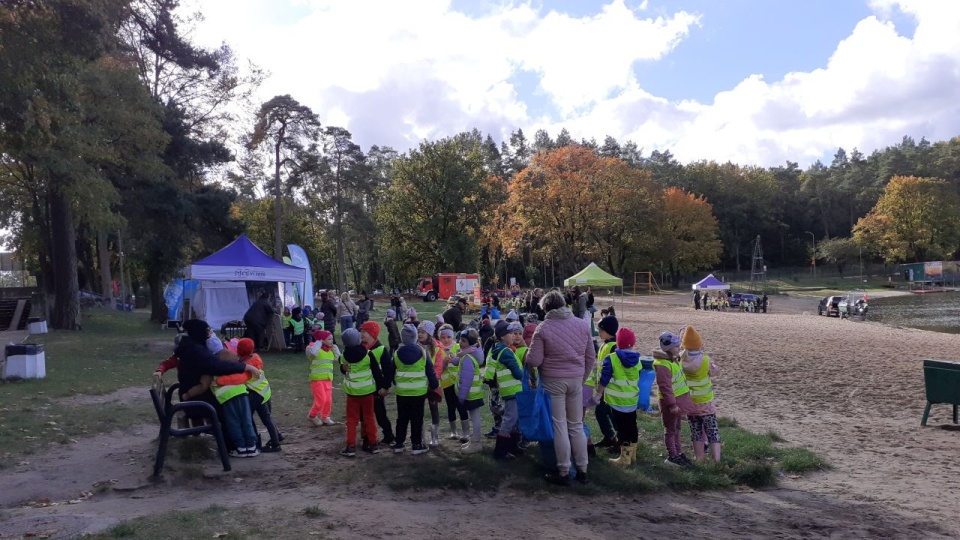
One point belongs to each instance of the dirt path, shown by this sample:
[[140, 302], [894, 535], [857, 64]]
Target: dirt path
[[850, 391]]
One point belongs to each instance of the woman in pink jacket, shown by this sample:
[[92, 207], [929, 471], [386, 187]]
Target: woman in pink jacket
[[562, 347]]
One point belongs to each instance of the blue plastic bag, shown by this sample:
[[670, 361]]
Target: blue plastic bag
[[647, 378], [533, 406]]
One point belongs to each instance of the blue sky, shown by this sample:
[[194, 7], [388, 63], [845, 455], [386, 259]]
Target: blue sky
[[750, 81]]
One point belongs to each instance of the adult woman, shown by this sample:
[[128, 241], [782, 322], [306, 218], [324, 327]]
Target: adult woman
[[562, 348], [348, 312], [364, 306]]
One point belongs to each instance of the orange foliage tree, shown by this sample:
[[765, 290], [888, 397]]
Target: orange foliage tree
[[687, 234]]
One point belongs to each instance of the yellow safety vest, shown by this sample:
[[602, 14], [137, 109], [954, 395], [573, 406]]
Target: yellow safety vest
[[411, 379], [228, 392], [605, 350], [451, 373], [701, 387], [321, 366], [506, 382], [622, 390], [476, 384], [678, 381], [261, 386], [359, 380]]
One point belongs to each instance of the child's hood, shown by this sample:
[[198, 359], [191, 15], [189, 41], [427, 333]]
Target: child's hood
[[628, 358], [475, 351], [409, 353], [354, 353]]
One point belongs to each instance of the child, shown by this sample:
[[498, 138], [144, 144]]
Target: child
[[426, 340], [698, 370], [412, 318], [393, 333], [321, 355], [259, 394], [297, 329], [470, 386], [607, 329], [508, 374], [231, 393], [674, 396], [287, 329], [362, 379], [369, 337], [448, 382], [489, 378], [618, 386], [530, 328], [414, 378]]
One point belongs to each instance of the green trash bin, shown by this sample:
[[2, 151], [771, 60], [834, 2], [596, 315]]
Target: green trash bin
[[942, 382]]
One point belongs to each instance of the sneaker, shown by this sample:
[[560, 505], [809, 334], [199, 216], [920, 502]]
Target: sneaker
[[675, 461], [492, 434], [524, 444], [419, 449], [614, 450], [556, 479], [606, 443], [316, 420], [581, 477], [398, 448], [684, 460], [370, 448], [251, 452], [464, 439], [270, 447], [328, 421], [349, 451], [237, 452]]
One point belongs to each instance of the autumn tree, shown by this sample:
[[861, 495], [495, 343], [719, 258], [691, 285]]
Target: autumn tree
[[430, 216], [840, 252], [916, 219], [688, 234]]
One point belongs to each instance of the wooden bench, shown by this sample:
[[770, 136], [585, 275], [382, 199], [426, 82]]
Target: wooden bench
[[942, 382], [167, 410]]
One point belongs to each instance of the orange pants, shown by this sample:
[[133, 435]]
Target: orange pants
[[322, 398]]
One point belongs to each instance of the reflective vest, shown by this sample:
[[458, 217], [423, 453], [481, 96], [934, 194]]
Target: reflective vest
[[622, 390], [321, 366], [506, 382], [228, 392], [451, 373], [359, 379], [520, 353], [701, 388], [476, 384], [297, 327], [411, 379], [678, 381], [605, 350], [261, 386]]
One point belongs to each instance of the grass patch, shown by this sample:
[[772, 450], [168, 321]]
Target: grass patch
[[314, 512], [123, 530], [800, 460]]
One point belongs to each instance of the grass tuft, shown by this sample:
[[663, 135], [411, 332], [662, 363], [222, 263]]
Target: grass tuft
[[123, 530], [314, 512]]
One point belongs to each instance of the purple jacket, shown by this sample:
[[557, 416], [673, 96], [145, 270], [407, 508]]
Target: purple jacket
[[562, 347]]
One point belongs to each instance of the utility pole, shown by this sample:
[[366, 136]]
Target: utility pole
[[813, 259]]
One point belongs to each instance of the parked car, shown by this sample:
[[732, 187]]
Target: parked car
[[737, 298], [829, 305]]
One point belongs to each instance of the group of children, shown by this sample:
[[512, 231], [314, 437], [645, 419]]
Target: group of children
[[684, 387]]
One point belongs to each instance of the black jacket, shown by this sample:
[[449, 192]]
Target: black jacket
[[259, 313], [196, 360], [454, 317]]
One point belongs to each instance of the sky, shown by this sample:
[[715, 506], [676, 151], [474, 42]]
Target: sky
[[749, 81]]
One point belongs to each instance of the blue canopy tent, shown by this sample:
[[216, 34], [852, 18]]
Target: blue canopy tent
[[710, 283], [222, 294]]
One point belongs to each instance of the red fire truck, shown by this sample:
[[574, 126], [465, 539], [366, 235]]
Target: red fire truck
[[444, 286]]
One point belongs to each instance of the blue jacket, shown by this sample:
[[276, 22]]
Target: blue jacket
[[410, 354]]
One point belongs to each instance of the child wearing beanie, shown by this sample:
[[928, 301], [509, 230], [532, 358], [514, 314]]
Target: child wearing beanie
[[426, 339], [674, 396], [529, 328], [370, 338], [414, 377], [470, 386], [448, 381], [508, 375], [362, 379], [259, 393], [412, 318], [393, 332], [490, 376], [618, 387], [607, 329], [321, 356], [702, 416]]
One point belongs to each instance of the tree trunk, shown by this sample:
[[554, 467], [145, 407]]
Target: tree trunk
[[158, 307], [66, 310], [278, 210], [106, 282], [338, 228]]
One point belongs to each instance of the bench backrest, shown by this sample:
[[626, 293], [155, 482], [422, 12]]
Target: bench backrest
[[942, 381], [158, 395]]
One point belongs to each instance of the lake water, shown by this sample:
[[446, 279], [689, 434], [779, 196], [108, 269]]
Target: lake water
[[939, 312]]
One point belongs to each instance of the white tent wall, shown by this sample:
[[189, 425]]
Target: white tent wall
[[218, 302]]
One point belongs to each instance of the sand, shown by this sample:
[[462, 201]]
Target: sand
[[849, 390]]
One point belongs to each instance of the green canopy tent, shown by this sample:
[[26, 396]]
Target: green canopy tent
[[594, 276]]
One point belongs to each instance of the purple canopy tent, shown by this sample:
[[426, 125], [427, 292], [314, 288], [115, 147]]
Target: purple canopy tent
[[710, 283]]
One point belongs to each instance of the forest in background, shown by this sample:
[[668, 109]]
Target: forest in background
[[114, 128]]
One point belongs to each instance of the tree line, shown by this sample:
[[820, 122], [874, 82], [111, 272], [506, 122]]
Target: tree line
[[116, 128]]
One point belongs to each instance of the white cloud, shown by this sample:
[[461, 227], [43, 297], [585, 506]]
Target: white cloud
[[395, 75]]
